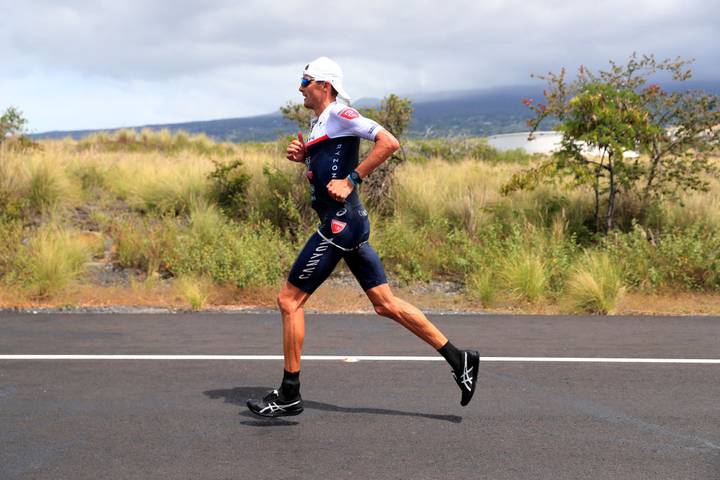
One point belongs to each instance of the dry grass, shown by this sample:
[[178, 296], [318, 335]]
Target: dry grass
[[62, 176], [698, 206], [460, 191]]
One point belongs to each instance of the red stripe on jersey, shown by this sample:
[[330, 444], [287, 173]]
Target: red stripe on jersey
[[317, 140]]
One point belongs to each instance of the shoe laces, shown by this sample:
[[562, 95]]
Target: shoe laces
[[273, 395]]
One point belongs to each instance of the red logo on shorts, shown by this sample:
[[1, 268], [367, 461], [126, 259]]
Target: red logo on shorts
[[337, 226], [349, 113], [309, 175]]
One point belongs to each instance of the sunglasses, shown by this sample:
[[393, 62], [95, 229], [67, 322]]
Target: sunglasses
[[304, 82]]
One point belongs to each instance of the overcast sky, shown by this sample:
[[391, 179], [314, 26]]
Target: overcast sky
[[100, 64]]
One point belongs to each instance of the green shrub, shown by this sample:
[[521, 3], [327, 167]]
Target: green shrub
[[229, 189], [411, 253], [241, 254], [683, 258], [286, 202]]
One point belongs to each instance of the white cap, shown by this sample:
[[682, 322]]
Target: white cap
[[327, 70]]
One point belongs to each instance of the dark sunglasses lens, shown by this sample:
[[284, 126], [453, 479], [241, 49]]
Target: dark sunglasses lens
[[305, 82]]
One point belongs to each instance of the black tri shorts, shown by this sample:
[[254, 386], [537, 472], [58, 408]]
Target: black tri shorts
[[342, 234]]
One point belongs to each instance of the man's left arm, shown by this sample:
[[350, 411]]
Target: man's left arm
[[385, 145]]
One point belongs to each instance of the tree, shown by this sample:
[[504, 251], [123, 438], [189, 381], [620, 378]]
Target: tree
[[297, 113], [12, 123], [602, 116], [394, 114]]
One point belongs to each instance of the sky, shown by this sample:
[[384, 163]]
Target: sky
[[81, 64]]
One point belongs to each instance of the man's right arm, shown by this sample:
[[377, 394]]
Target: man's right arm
[[296, 149], [385, 145]]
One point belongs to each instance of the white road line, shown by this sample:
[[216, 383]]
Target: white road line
[[363, 358]]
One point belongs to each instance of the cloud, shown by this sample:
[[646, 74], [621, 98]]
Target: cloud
[[234, 53]]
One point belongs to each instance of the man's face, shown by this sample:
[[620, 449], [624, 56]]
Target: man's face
[[313, 93]]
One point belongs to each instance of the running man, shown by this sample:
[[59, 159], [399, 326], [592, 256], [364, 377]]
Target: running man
[[331, 157]]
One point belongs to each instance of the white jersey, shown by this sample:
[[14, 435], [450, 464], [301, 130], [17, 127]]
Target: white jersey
[[339, 120]]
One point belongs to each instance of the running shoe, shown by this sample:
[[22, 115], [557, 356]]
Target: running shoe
[[467, 379], [272, 406]]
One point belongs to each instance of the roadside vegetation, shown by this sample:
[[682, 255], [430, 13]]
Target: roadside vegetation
[[143, 208], [237, 214]]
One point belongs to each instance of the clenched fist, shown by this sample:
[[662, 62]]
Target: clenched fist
[[339, 190]]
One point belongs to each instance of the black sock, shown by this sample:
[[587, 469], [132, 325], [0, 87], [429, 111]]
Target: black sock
[[290, 386], [452, 355]]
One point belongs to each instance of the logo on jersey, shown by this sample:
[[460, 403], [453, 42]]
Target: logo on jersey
[[340, 213], [314, 260], [337, 226], [349, 113]]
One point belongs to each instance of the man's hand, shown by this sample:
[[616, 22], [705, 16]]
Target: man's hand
[[296, 149], [339, 190]]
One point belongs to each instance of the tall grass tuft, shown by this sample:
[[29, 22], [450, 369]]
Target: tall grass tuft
[[90, 173], [171, 189], [12, 181], [141, 243], [483, 286], [205, 222], [50, 261], [47, 186], [11, 236], [595, 286], [194, 290], [524, 275]]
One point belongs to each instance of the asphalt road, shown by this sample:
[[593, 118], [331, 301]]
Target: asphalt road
[[186, 419]]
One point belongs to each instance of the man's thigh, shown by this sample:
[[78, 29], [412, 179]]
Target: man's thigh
[[365, 265], [314, 264]]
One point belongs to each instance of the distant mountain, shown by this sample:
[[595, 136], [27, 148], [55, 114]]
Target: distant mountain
[[463, 113], [479, 112], [258, 128]]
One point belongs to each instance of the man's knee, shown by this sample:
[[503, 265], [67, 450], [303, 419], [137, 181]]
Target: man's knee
[[287, 303], [386, 308]]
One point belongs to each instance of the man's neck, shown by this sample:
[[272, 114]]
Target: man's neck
[[321, 108]]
